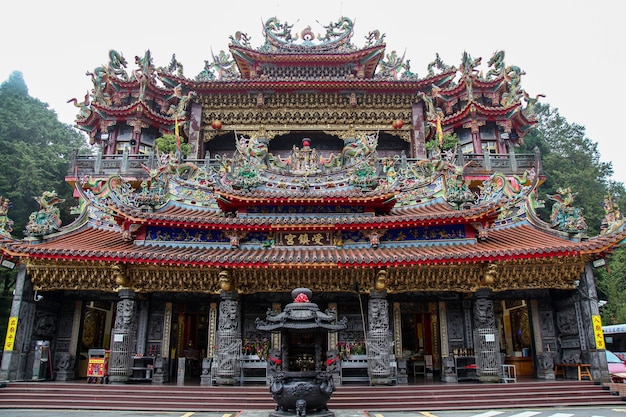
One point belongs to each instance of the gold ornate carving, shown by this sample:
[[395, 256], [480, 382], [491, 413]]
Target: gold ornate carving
[[281, 112], [226, 283], [283, 277], [119, 271], [60, 275], [264, 133], [89, 329], [381, 280], [309, 101], [175, 279], [491, 273], [210, 134], [212, 330]]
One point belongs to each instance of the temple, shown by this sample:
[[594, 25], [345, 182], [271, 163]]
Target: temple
[[397, 199]]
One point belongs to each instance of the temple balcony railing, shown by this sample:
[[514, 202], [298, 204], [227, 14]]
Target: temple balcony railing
[[105, 165], [478, 165], [134, 165]]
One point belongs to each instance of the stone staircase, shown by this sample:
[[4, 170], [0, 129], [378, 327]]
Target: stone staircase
[[428, 397]]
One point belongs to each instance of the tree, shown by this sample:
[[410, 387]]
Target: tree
[[168, 144], [14, 86], [35, 151], [611, 285], [570, 159]]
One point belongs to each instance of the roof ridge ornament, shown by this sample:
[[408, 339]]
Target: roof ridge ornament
[[279, 36], [613, 218], [48, 219], [5, 222], [564, 216]]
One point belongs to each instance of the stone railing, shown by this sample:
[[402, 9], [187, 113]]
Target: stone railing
[[132, 164], [99, 164], [510, 163], [354, 369]]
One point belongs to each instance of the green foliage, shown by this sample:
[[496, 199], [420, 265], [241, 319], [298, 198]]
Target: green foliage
[[167, 144], [449, 141], [570, 159], [7, 281], [5, 312], [611, 286], [14, 86], [35, 150]]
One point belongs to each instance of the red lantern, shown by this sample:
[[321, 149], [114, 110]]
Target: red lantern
[[397, 124], [216, 124]]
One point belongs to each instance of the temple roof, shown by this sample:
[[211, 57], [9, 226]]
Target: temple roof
[[283, 51], [519, 241], [433, 213], [346, 201], [288, 62]]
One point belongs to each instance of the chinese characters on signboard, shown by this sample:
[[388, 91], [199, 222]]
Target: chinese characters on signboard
[[9, 341], [597, 332], [304, 239]]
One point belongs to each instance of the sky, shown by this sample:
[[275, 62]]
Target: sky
[[572, 51]]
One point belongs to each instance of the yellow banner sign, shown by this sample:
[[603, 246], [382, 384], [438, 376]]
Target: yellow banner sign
[[597, 332], [9, 341]]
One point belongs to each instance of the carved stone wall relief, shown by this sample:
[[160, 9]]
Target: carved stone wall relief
[[379, 343], [228, 353]]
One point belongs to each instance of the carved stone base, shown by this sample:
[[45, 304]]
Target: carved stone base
[[160, 378], [489, 378], [323, 413], [381, 381], [118, 379], [180, 376], [449, 378], [205, 380], [161, 375], [226, 381], [65, 375], [547, 374], [205, 377]]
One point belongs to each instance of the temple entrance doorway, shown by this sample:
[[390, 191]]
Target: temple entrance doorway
[[417, 340], [513, 321], [189, 337], [96, 327]]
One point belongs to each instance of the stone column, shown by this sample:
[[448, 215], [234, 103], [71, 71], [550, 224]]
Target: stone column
[[418, 143], [123, 338], [401, 368], [589, 308], [207, 363], [67, 349], [448, 367], [23, 307], [486, 341], [162, 360], [332, 355], [195, 116], [379, 342], [143, 310], [228, 352], [544, 337]]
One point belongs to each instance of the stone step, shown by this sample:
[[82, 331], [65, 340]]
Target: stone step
[[436, 396]]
